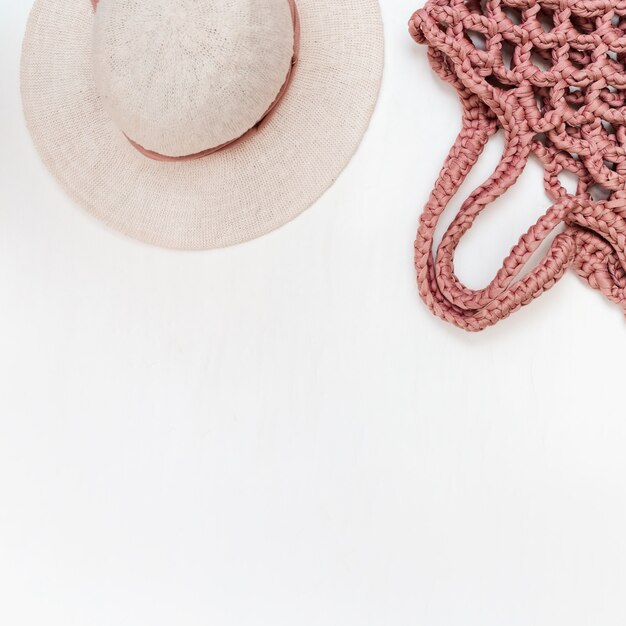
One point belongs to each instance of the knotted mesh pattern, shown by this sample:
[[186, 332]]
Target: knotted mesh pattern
[[552, 76]]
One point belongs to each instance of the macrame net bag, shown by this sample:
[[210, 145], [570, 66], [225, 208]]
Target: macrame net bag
[[551, 75]]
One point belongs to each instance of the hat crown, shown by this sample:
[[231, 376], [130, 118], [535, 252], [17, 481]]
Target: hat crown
[[183, 76]]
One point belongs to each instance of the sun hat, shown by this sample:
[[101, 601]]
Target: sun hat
[[197, 124], [551, 74]]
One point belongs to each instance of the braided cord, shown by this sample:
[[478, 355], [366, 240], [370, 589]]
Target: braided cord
[[551, 75]]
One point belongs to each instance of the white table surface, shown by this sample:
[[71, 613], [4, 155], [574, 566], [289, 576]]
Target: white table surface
[[280, 433]]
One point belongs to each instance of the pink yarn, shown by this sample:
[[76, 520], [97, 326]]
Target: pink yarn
[[552, 76]]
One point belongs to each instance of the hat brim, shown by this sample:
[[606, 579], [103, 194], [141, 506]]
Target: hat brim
[[231, 196]]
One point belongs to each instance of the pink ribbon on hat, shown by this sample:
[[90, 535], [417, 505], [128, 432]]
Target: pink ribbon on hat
[[281, 94]]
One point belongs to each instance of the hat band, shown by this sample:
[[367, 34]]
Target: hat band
[[283, 90]]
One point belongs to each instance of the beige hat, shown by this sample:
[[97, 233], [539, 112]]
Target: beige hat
[[198, 124]]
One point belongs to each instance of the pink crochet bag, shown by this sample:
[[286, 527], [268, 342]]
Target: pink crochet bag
[[550, 74]]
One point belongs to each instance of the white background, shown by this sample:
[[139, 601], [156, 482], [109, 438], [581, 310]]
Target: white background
[[280, 433]]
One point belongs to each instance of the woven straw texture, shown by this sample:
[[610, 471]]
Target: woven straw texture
[[551, 74], [153, 80], [236, 194]]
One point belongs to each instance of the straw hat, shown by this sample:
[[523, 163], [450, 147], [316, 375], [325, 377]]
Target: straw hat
[[198, 124]]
